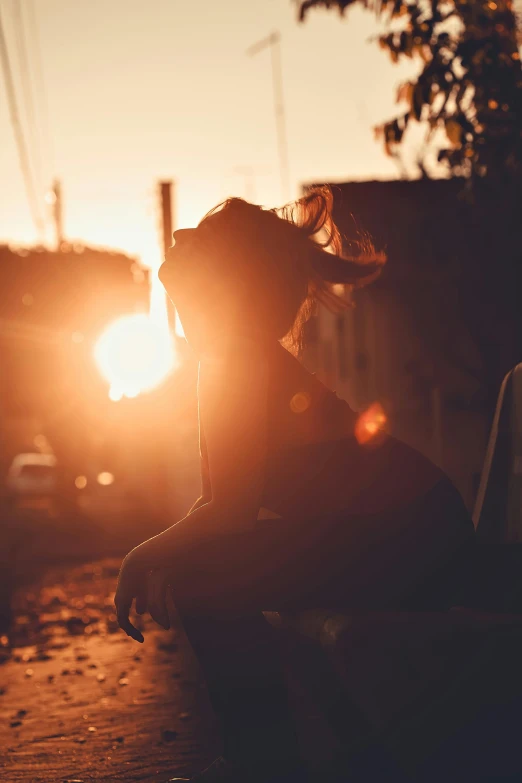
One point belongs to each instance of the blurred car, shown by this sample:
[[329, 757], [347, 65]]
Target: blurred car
[[32, 478]]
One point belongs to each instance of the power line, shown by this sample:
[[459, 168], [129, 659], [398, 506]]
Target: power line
[[273, 41], [18, 132], [40, 81], [28, 95]]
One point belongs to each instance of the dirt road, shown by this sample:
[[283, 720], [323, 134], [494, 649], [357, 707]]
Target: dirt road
[[79, 701]]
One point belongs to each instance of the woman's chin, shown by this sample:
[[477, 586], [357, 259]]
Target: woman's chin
[[166, 271]]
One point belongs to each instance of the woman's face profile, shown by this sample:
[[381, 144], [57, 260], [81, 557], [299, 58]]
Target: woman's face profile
[[182, 272], [192, 278], [182, 236]]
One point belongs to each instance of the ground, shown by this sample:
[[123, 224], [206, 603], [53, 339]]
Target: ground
[[80, 701]]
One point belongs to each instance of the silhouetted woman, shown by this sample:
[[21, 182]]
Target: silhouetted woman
[[365, 525]]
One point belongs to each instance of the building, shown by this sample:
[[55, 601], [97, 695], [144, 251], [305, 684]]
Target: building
[[433, 337], [53, 306]]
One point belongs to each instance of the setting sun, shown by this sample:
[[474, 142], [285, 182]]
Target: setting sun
[[134, 355]]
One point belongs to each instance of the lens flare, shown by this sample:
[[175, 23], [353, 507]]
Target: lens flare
[[370, 423], [300, 402], [105, 478], [134, 354]]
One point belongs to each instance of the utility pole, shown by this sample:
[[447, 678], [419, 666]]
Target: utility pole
[[274, 42], [166, 473], [178, 485], [57, 207], [166, 200], [166, 214]]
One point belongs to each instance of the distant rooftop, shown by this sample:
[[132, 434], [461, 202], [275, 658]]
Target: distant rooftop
[[71, 287], [426, 226]]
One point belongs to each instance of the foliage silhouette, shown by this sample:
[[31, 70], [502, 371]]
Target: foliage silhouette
[[470, 83]]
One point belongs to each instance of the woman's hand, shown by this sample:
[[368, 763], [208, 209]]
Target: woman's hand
[[156, 597], [148, 587], [133, 584], [142, 573]]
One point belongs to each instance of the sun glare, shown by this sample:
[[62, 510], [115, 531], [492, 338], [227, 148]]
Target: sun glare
[[134, 355]]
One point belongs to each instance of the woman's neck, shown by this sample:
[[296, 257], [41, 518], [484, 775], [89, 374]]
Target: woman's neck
[[223, 341]]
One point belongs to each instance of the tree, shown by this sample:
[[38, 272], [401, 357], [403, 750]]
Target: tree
[[470, 83]]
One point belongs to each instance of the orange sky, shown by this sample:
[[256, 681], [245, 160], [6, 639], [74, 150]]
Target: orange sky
[[138, 91]]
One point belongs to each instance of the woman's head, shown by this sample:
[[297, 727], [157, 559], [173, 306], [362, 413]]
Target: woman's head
[[248, 269]]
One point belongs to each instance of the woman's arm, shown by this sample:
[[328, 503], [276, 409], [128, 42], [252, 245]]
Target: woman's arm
[[232, 390], [233, 394], [206, 488], [233, 397]]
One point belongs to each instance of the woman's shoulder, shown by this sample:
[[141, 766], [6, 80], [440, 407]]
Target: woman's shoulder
[[250, 351], [236, 359]]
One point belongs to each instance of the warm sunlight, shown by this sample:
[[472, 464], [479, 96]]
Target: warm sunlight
[[134, 354]]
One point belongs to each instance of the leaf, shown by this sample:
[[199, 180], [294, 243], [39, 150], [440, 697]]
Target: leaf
[[460, 93], [395, 132], [434, 91], [417, 101], [406, 44], [423, 51], [454, 132], [404, 92]]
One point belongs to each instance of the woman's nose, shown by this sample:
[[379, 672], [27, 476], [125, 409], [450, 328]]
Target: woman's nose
[[182, 234]]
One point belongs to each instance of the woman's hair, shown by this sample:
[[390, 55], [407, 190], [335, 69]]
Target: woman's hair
[[285, 260]]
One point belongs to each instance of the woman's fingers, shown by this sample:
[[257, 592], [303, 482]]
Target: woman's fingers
[[149, 590], [123, 605], [156, 598], [141, 600], [125, 593]]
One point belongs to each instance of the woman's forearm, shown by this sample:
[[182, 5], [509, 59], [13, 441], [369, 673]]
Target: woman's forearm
[[204, 523]]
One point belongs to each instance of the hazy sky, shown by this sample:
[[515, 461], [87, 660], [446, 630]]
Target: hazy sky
[[139, 90]]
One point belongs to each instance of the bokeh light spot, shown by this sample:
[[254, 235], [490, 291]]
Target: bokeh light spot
[[80, 482], [300, 402], [370, 423], [105, 478]]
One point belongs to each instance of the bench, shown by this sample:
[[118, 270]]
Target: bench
[[440, 692]]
